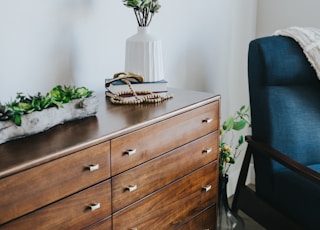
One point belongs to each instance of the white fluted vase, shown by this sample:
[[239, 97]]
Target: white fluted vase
[[144, 55]]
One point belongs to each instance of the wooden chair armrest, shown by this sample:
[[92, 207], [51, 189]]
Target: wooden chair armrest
[[283, 159]]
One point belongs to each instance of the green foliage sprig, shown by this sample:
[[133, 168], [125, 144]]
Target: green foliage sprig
[[143, 10], [28, 104], [230, 128]]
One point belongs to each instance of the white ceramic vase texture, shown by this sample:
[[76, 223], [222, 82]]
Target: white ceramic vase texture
[[144, 55]]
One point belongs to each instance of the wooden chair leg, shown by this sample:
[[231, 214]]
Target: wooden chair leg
[[254, 206]]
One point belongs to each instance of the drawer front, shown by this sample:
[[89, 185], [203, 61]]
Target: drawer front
[[204, 221], [34, 188], [102, 225], [142, 145], [163, 209], [151, 176], [75, 212]]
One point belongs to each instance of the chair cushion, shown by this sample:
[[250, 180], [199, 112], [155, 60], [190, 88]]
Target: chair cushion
[[295, 122], [298, 198]]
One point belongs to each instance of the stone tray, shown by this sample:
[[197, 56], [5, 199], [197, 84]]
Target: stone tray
[[40, 121]]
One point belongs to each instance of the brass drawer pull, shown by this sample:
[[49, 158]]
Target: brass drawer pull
[[206, 188], [131, 188], [133, 228], [130, 152], [207, 150], [93, 167], [95, 206], [207, 120]]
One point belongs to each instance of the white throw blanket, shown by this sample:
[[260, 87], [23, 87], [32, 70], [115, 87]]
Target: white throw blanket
[[309, 40]]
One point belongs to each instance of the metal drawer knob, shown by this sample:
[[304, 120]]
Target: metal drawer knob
[[207, 150], [131, 188], [133, 228], [95, 206], [93, 167], [206, 188], [130, 152], [207, 120]]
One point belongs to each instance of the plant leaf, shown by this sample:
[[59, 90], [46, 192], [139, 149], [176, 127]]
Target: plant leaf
[[238, 125], [241, 140], [16, 118], [232, 160], [228, 124]]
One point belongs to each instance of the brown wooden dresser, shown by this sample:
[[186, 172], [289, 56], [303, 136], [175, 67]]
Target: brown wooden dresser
[[138, 167]]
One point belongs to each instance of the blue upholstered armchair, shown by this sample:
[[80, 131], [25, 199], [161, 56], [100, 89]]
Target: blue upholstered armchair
[[285, 141]]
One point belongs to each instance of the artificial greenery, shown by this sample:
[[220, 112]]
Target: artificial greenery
[[230, 129], [28, 104], [143, 10]]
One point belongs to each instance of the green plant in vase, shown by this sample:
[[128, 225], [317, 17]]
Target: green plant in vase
[[143, 10], [231, 143], [231, 139]]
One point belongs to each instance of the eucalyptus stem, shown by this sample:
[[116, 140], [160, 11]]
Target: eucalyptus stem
[[136, 12], [150, 19]]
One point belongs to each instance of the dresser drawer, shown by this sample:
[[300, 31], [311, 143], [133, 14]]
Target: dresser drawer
[[105, 224], [151, 176], [142, 145], [74, 212], [204, 221], [34, 188], [173, 205]]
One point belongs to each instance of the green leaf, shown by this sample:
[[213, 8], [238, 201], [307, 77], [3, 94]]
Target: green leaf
[[232, 160], [131, 3], [145, 3], [55, 94], [228, 124], [58, 104], [241, 140], [82, 92], [45, 102], [17, 109], [24, 106], [225, 154], [243, 109], [155, 8], [238, 125], [30, 110], [16, 118]]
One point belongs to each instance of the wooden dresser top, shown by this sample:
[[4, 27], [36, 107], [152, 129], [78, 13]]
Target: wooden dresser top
[[111, 121]]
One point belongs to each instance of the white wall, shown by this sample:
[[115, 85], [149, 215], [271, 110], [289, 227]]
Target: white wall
[[82, 42], [49, 42], [273, 15]]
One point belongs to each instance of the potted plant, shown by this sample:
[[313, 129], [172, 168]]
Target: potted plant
[[231, 146], [27, 115], [230, 136]]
